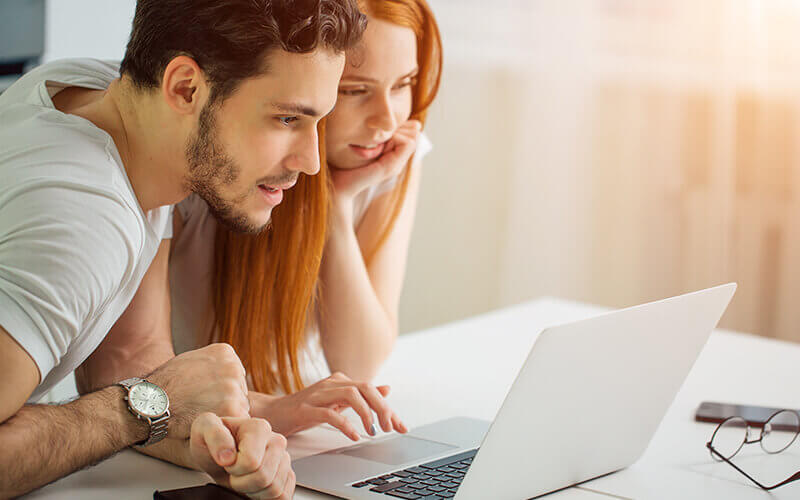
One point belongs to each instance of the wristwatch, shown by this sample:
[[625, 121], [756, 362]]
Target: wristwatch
[[150, 403]]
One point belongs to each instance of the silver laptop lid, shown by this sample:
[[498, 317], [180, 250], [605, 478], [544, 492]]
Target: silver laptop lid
[[591, 395]]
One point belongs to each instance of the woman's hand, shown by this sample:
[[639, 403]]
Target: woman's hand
[[348, 182], [323, 402]]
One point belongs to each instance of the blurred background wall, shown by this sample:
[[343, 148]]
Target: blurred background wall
[[613, 151], [608, 151]]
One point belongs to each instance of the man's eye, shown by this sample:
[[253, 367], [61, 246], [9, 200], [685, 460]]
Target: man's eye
[[287, 120]]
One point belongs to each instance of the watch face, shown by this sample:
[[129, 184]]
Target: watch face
[[148, 399]]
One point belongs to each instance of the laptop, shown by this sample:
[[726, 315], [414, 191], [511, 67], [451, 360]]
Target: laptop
[[586, 403]]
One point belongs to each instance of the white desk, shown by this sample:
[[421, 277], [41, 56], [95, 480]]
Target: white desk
[[465, 368]]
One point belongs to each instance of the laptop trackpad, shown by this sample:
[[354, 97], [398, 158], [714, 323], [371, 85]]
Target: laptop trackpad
[[398, 450]]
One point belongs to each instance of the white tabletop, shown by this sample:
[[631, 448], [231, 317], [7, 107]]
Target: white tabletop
[[466, 368], [733, 368]]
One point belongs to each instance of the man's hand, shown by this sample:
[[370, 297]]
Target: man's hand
[[244, 455], [211, 379], [322, 403]]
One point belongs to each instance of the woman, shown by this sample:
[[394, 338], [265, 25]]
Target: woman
[[266, 299]]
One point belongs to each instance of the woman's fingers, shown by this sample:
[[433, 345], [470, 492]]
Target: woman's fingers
[[350, 395], [319, 415], [394, 158], [409, 132], [364, 399], [375, 400], [393, 161], [337, 393], [398, 424], [399, 148], [410, 127]]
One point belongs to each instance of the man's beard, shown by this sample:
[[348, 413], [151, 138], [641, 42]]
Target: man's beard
[[210, 169]]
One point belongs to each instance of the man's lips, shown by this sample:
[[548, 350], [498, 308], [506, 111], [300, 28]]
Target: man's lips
[[273, 192], [276, 187], [271, 195]]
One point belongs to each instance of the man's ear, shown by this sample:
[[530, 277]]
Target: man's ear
[[184, 86]]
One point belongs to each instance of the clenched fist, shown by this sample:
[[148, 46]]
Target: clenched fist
[[244, 455], [211, 379]]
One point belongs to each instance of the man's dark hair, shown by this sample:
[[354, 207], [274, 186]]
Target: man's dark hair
[[229, 38]]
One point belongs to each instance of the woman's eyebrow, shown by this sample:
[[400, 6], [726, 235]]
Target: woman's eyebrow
[[357, 78]]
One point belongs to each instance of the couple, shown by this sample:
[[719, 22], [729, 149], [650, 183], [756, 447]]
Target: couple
[[288, 234]]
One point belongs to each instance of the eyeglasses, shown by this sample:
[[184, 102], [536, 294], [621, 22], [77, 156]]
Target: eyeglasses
[[778, 433]]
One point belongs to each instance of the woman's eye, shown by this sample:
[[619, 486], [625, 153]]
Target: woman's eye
[[287, 120], [405, 83], [352, 91]]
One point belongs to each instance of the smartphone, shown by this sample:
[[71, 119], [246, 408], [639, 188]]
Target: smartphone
[[209, 491], [717, 412]]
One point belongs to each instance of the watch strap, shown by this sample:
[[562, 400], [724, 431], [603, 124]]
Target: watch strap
[[130, 382], [158, 429]]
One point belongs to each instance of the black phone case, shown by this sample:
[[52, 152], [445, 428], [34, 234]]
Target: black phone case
[[208, 491], [755, 416]]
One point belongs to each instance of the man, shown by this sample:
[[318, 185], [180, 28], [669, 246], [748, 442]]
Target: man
[[216, 97]]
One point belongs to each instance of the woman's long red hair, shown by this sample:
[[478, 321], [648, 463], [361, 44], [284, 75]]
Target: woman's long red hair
[[416, 15], [265, 286]]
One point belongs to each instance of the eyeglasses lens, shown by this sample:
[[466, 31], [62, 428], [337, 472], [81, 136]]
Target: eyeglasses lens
[[780, 431], [729, 437]]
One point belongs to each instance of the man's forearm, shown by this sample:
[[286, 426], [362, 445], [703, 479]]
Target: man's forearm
[[42, 443], [174, 451], [112, 362]]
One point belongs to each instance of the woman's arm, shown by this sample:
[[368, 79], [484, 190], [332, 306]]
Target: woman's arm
[[359, 303]]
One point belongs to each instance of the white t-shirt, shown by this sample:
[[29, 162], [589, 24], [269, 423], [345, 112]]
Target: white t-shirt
[[74, 242], [191, 268]]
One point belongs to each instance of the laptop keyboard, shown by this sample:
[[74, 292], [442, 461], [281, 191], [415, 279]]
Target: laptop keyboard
[[431, 481]]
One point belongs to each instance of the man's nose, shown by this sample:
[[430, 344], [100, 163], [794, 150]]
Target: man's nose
[[305, 157]]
